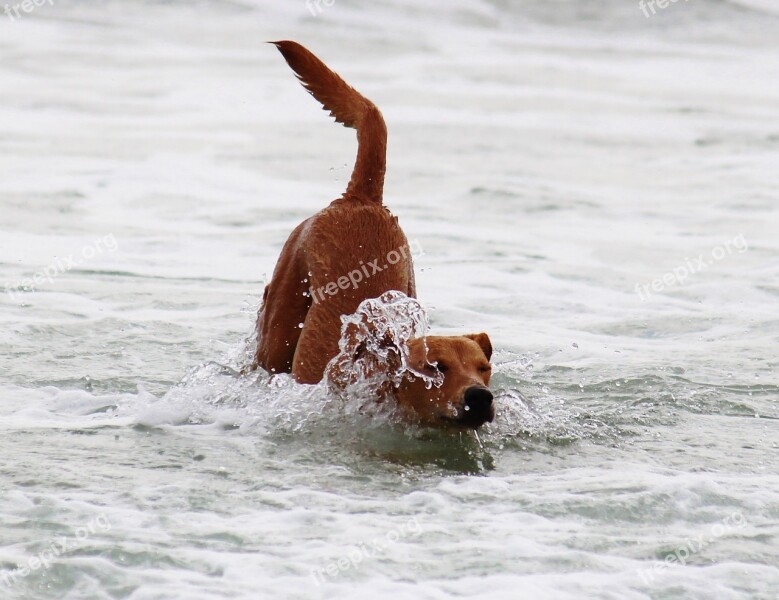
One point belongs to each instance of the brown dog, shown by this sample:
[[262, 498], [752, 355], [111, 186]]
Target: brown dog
[[351, 251]]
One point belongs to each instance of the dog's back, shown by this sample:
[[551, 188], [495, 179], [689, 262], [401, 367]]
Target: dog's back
[[350, 251]]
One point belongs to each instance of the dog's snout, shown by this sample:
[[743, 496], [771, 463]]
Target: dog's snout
[[477, 398], [479, 407]]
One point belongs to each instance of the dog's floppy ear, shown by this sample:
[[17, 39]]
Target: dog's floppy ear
[[484, 342]]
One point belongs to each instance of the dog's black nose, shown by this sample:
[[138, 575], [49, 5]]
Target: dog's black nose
[[479, 407]]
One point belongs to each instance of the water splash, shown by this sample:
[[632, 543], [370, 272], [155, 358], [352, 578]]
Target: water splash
[[373, 352], [373, 349]]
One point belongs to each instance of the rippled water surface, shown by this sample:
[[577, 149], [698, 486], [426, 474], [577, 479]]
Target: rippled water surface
[[594, 187]]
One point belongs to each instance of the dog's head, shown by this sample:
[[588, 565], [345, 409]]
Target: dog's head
[[463, 399]]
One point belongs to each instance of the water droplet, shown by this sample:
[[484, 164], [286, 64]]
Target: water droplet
[[575, 345], [300, 325]]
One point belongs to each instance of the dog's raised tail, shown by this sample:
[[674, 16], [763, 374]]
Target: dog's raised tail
[[352, 109]]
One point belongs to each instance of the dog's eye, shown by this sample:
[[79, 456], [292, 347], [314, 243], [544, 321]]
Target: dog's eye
[[434, 367], [485, 368]]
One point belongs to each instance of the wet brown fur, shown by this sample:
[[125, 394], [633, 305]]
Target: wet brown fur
[[353, 230]]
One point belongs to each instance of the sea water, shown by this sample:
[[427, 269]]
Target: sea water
[[592, 183]]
